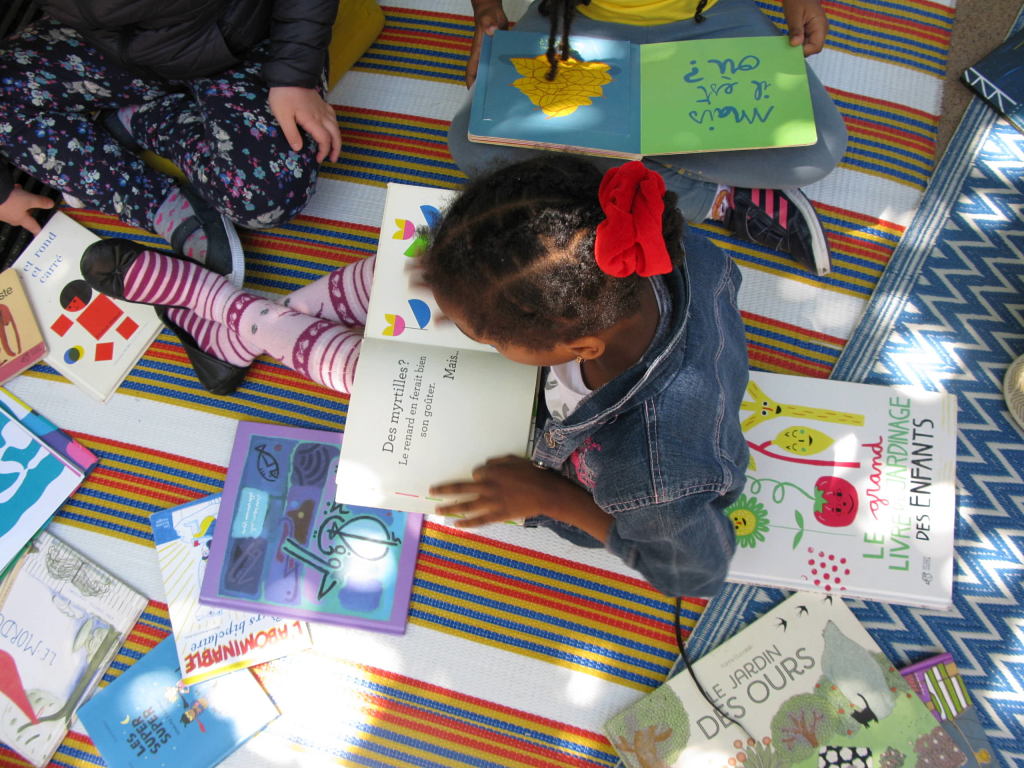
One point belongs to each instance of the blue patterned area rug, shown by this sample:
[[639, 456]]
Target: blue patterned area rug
[[949, 315]]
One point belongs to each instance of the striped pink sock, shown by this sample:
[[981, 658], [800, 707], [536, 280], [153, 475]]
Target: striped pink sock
[[155, 278], [213, 338], [343, 295], [173, 211], [322, 350]]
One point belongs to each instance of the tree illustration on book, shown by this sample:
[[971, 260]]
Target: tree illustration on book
[[574, 85]]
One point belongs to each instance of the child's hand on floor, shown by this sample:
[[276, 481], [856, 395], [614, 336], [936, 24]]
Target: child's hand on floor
[[303, 108], [17, 209], [512, 488]]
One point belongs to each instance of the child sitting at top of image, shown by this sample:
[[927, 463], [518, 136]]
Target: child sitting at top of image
[[755, 193], [230, 91], [592, 277]]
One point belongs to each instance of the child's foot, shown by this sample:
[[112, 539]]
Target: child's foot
[[219, 362], [125, 270], [783, 220], [195, 229]]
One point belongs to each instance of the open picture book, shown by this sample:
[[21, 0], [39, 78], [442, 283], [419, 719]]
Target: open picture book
[[850, 490], [803, 686], [620, 99], [428, 404], [91, 339]]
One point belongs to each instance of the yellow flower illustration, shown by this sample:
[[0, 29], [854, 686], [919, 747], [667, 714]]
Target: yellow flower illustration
[[575, 84], [750, 519]]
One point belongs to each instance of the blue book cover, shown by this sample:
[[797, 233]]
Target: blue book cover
[[284, 546], [146, 717], [999, 79], [589, 107]]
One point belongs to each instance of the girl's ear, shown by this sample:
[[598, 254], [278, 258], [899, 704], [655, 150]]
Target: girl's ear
[[587, 347]]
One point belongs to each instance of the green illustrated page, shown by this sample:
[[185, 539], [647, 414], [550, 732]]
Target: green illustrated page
[[724, 94]]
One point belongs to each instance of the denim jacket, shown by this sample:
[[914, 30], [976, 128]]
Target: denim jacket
[[660, 447]]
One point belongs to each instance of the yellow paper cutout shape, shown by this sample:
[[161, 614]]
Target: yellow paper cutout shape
[[576, 83]]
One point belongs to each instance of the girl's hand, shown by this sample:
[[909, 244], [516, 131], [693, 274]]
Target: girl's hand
[[807, 24], [511, 488], [16, 209], [488, 17], [303, 108]]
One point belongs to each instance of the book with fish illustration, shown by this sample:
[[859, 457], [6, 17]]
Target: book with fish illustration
[[284, 546], [803, 686], [428, 404], [850, 490], [618, 99]]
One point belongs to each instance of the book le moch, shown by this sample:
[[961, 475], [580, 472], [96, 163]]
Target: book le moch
[[428, 404], [148, 717], [850, 490], [620, 99], [91, 339], [21, 340], [803, 686], [210, 640], [68, 618], [283, 545]]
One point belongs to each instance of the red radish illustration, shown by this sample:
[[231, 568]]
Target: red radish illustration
[[12, 687], [835, 501]]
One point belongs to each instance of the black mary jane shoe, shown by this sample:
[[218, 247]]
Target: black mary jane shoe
[[105, 263], [217, 376]]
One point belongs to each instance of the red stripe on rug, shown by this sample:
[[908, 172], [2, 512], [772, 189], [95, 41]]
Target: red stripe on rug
[[865, 22], [599, 613]]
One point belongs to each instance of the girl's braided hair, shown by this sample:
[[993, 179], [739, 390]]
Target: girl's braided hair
[[561, 14], [515, 253]]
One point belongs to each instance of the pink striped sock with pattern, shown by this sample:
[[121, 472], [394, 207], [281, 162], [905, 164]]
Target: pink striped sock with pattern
[[213, 338], [156, 278], [174, 210], [342, 295], [321, 350]]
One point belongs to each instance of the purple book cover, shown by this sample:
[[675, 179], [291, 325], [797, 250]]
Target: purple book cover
[[284, 546]]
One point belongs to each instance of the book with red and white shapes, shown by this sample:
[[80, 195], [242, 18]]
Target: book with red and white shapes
[[92, 339]]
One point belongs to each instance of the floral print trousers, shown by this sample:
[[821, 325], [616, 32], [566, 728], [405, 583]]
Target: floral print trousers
[[218, 130]]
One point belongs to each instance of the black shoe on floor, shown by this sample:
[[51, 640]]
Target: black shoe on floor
[[217, 376], [783, 220], [105, 263]]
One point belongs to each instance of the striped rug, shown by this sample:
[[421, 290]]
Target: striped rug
[[519, 647]]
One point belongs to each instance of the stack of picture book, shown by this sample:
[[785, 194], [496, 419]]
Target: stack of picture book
[[803, 686], [40, 467]]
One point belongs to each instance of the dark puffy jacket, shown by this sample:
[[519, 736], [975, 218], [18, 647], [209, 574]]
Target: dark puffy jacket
[[182, 39]]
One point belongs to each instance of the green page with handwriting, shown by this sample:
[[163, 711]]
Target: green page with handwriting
[[724, 94]]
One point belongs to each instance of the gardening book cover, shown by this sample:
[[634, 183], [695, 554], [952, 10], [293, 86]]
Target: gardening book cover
[[211, 640], [91, 339], [284, 546], [850, 490], [804, 686], [34, 481], [149, 717], [428, 404], [619, 99], [66, 619], [21, 340], [999, 79], [938, 683]]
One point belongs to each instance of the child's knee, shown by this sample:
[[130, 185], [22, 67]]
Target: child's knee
[[282, 195]]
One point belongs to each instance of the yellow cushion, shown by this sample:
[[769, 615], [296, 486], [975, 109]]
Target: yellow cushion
[[356, 27]]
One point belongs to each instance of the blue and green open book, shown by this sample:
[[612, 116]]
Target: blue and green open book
[[619, 99]]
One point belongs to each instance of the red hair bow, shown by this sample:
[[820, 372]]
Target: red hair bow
[[629, 240]]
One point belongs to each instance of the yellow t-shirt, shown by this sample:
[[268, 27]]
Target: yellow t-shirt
[[641, 12]]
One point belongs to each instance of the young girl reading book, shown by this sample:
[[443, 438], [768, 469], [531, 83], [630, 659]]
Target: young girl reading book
[[555, 265]]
